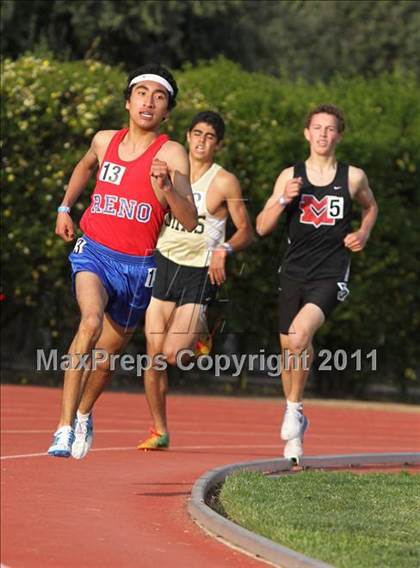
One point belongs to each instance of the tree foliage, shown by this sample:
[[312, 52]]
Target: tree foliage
[[52, 109], [313, 39]]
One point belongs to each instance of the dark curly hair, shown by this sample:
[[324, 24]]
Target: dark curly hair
[[155, 69], [212, 118]]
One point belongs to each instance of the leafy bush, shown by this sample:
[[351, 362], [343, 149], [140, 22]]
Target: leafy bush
[[52, 109], [50, 113], [264, 134]]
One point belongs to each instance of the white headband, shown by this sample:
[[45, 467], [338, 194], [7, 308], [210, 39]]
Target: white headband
[[152, 77]]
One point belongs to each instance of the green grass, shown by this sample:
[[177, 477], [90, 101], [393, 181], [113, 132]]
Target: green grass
[[349, 520]]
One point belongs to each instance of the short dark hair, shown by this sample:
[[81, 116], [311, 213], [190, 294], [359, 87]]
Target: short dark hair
[[155, 69], [212, 118], [327, 109]]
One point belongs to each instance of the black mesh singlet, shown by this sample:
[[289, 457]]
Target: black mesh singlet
[[318, 219]]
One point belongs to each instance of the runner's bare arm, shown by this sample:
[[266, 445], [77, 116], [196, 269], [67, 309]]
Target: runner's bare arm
[[244, 235], [287, 188], [361, 192], [170, 174], [79, 179], [231, 190]]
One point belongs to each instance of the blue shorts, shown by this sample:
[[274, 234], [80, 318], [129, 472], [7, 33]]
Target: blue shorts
[[127, 279]]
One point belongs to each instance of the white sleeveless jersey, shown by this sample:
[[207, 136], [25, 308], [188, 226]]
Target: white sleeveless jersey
[[193, 249]]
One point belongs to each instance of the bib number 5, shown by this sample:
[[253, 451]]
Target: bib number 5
[[335, 207]]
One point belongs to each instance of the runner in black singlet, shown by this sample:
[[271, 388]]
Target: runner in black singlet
[[317, 197]]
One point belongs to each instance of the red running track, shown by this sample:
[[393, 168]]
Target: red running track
[[121, 508]]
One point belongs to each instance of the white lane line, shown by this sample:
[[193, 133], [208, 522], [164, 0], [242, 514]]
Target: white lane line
[[131, 448], [21, 456], [258, 433], [139, 432]]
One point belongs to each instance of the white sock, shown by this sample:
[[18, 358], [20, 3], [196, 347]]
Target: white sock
[[295, 406], [82, 417]]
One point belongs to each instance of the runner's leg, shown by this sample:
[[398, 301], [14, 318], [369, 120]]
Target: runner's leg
[[92, 299]]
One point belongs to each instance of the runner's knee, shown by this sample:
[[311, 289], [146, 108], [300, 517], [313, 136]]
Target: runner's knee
[[171, 355], [177, 353], [298, 342], [103, 363], [91, 326]]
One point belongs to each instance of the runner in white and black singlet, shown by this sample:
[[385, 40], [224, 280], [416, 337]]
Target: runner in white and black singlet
[[190, 266], [317, 197]]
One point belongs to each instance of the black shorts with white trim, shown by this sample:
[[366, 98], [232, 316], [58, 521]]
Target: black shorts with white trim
[[182, 284], [293, 295]]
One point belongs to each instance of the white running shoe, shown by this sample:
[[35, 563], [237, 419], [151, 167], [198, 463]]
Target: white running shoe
[[293, 450], [292, 424], [83, 437], [62, 441]]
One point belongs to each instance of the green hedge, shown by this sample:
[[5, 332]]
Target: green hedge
[[51, 111]]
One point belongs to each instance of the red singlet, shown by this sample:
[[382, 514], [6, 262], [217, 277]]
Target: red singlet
[[125, 215]]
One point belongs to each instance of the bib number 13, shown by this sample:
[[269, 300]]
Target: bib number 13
[[112, 173]]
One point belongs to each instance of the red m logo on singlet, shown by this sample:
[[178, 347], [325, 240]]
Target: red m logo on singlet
[[323, 212]]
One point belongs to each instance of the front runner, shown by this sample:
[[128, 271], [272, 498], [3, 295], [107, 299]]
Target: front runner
[[317, 197], [142, 174], [191, 265]]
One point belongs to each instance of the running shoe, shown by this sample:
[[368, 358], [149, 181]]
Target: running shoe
[[62, 442], [156, 441], [83, 437], [204, 345], [292, 424], [293, 450]]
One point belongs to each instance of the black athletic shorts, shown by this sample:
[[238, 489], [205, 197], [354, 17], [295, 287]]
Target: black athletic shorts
[[182, 284], [293, 295]]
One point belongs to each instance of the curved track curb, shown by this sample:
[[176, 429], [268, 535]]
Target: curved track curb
[[258, 545]]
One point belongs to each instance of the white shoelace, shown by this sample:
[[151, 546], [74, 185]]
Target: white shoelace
[[63, 437]]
